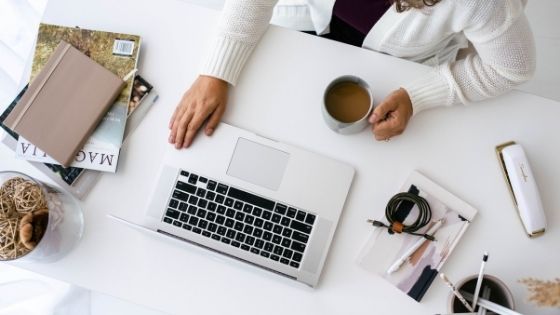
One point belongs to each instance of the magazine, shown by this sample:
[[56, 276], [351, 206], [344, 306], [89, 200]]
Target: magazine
[[78, 181], [95, 155], [116, 52], [416, 275]]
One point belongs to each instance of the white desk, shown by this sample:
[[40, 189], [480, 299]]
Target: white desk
[[280, 98]]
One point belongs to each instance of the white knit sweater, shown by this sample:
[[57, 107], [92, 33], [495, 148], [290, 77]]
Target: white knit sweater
[[503, 54]]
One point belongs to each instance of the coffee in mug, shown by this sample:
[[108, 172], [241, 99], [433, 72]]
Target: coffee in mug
[[347, 104]]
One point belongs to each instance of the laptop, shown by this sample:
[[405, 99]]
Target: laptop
[[251, 198]]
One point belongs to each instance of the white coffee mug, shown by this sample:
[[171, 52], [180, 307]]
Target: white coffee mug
[[347, 127]]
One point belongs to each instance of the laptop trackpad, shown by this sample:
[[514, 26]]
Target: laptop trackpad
[[258, 164]]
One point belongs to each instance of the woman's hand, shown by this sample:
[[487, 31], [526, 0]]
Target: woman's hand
[[205, 100], [391, 116]]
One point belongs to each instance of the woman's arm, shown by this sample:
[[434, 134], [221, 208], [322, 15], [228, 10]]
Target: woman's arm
[[242, 24], [504, 57]]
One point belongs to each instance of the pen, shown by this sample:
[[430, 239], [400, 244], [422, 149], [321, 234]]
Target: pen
[[491, 306], [406, 256], [479, 281], [485, 295], [454, 290]]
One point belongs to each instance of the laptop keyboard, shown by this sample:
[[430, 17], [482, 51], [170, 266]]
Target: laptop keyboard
[[240, 219]]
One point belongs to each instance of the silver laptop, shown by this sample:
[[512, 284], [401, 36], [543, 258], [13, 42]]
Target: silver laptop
[[264, 202]]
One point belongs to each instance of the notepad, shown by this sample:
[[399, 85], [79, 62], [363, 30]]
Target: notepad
[[382, 249], [64, 103]]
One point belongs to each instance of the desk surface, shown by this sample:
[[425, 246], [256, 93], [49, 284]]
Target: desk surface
[[287, 74]]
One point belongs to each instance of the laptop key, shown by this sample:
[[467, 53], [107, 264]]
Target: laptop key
[[247, 208], [221, 209], [229, 223], [230, 233], [275, 218], [225, 240], [206, 233], [220, 219], [211, 185], [222, 189], [287, 253], [302, 227], [278, 250], [177, 194], [277, 229], [185, 173], [259, 244], [287, 232], [250, 198], [276, 239], [183, 207], [259, 222], [202, 224], [187, 227], [177, 223], [257, 232], [193, 200], [249, 219], [201, 213], [230, 213], [300, 216], [245, 247], [184, 217], [286, 242], [193, 221], [266, 214], [284, 261], [193, 179], [220, 199], [222, 230], [248, 229], [298, 247], [255, 251], [239, 216], [310, 219], [294, 264], [211, 206], [185, 187], [267, 236], [203, 179], [235, 244], [192, 210], [229, 202], [201, 192], [238, 205], [297, 257], [210, 195], [210, 216], [291, 212], [216, 237], [269, 247], [238, 226], [196, 230], [249, 240], [173, 203], [268, 226], [280, 208], [173, 213], [168, 220], [212, 227], [265, 254], [202, 203], [240, 237], [257, 211], [285, 221], [274, 257]]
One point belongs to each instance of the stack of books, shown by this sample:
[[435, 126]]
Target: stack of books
[[82, 100]]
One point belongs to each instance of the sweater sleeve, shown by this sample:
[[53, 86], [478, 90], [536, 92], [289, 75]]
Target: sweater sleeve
[[242, 24], [503, 57]]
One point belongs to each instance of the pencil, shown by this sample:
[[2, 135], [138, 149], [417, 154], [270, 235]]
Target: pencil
[[454, 290], [479, 281]]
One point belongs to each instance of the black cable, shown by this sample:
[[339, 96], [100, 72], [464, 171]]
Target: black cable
[[424, 215]]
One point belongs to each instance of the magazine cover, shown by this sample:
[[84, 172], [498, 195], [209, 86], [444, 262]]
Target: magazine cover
[[116, 52], [416, 275]]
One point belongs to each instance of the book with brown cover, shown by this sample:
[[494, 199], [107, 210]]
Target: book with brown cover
[[64, 103]]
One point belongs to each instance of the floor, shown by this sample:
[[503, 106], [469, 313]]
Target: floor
[[542, 15]]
